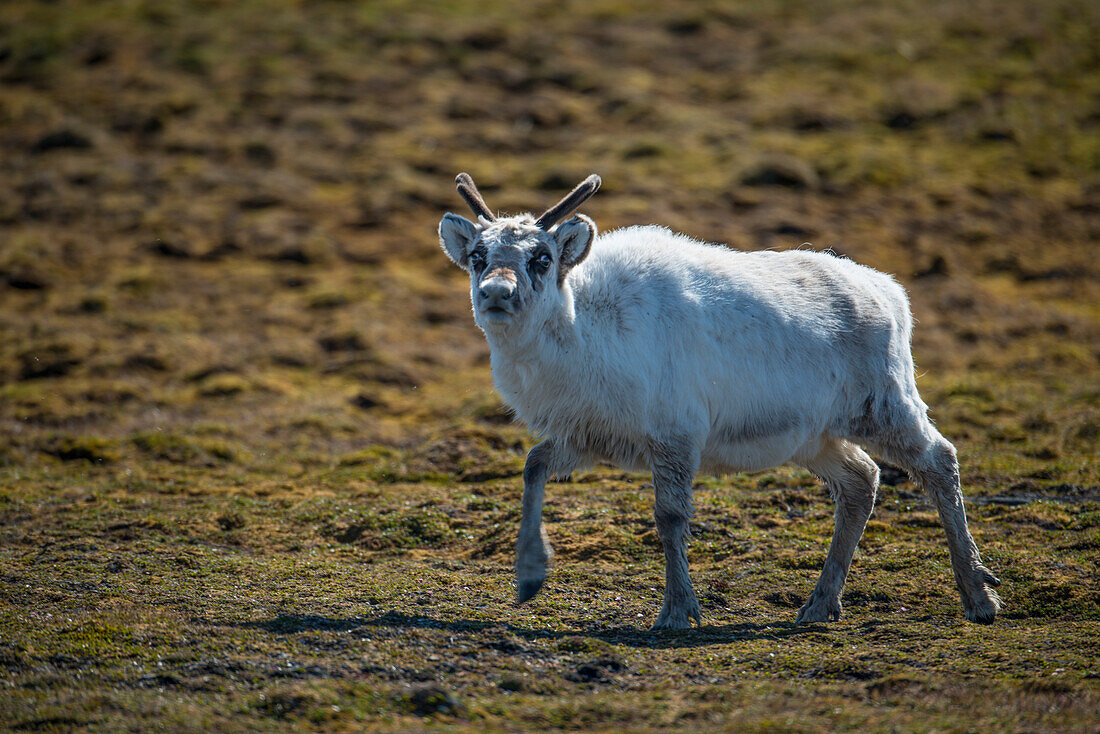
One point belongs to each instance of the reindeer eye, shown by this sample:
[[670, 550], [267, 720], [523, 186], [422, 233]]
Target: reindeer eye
[[477, 259], [543, 261]]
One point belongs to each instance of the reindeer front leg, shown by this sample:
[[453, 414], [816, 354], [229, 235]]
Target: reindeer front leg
[[533, 550], [674, 465]]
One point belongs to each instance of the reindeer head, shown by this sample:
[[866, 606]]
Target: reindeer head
[[517, 263]]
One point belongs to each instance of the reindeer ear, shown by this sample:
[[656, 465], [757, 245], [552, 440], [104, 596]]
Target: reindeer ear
[[574, 236], [456, 234]]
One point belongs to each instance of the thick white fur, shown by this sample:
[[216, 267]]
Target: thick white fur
[[658, 351], [658, 335]]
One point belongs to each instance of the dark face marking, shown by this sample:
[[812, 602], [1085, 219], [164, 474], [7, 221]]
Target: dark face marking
[[477, 259], [538, 265]]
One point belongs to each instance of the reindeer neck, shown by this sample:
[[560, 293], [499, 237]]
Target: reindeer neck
[[546, 338]]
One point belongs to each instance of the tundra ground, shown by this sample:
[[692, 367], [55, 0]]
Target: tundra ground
[[253, 475]]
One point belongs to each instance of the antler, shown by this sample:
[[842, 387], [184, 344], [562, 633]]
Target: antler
[[472, 196], [570, 203]]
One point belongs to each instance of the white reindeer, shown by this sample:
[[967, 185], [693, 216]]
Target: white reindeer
[[646, 348]]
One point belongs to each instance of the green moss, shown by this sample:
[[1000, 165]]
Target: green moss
[[397, 529], [168, 447], [180, 449], [369, 456], [95, 640], [91, 449], [222, 450]]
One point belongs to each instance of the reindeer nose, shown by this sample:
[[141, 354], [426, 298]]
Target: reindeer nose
[[495, 290]]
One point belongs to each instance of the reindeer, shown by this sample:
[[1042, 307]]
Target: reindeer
[[651, 350]]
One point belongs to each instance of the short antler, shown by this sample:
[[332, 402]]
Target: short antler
[[472, 196], [570, 203]]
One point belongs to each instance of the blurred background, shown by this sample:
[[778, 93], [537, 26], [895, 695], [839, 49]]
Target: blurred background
[[217, 219]]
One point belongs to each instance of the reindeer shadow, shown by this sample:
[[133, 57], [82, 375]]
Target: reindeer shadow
[[622, 635]]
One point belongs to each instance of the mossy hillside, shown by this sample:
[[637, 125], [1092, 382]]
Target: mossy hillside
[[253, 475]]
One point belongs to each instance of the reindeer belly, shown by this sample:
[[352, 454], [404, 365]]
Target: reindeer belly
[[748, 455]]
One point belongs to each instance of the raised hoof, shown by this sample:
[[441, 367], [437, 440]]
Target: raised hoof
[[527, 589], [818, 609], [980, 602]]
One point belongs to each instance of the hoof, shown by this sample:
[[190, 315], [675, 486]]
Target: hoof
[[980, 602], [981, 618], [678, 620], [527, 589], [818, 609], [982, 610]]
